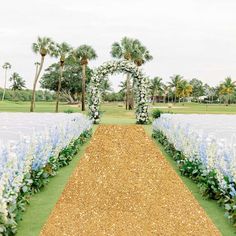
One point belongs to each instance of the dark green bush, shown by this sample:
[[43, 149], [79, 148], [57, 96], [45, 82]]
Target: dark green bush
[[69, 111], [156, 113]]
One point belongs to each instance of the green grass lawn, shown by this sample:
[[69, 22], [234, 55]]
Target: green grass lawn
[[7, 106], [115, 111], [112, 113], [188, 108]]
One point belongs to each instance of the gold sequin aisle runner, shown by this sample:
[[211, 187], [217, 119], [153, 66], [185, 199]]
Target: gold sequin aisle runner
[[124, 186]]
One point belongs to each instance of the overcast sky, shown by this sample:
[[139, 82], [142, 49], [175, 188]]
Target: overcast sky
[[194, 38]]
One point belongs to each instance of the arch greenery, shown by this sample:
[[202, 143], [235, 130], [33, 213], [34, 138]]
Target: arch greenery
[[141, 88]]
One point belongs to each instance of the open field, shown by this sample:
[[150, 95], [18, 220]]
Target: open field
[[197, 108], [112, 112], [7, 106]]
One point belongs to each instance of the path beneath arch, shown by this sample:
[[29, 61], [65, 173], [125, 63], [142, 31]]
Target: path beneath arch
[[124, 186]]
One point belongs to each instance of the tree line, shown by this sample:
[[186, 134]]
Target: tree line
[[69, 77], [25, 95], [178, 89]]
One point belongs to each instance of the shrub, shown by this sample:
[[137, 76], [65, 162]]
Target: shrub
[[156, 113], [206, 180], [69, 111]]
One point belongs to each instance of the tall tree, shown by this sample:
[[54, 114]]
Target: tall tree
[[6, 67], [106, 87], [124, 50], [184, 89], [165, 92], [131, 50], [17, 82], [44, 46], [198, 88], [141, 54], [156, 87], [71, 85], [210, 92], [84, 53], [62, 51], [174, 84], [123, 89], [170, 94], [227, 88]]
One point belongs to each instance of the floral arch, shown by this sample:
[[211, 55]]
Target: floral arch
[[112, 67]]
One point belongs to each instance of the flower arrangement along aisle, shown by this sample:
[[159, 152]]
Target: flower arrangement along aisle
[[32, 148], [204, 147], [141, 84]]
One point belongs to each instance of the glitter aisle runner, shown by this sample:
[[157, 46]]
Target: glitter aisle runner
[[124, 186]]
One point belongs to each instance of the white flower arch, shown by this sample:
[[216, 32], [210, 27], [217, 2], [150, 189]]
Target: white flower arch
[[112, 67]]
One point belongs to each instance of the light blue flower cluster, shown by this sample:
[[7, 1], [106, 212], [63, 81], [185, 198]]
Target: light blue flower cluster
[[27, 141], [209, 139]]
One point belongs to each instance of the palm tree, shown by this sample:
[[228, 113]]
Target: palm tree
[[156, 86], [44, 46], [165, 92], [106, 87], [84, 53], [131, 50], [141, 54], [6, 66], [123, 90], [184, 89], [62, 50], [37, 64], [17, 82], [227, 88], [124, 50], [123, 87], [169, 93], [174, 83]]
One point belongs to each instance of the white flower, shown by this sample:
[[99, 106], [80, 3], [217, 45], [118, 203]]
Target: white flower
[[113, 67]]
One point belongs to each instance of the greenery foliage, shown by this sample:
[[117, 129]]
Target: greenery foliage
[[178, 89], [26, 94], [208, 184], [36, 180], [17, 82], [114, 97], [156, 113], [69, 110], [71, 85]]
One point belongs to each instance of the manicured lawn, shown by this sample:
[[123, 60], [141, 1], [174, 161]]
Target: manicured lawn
[[188, 108], [42, 203], [115, 111], [40, 107]]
